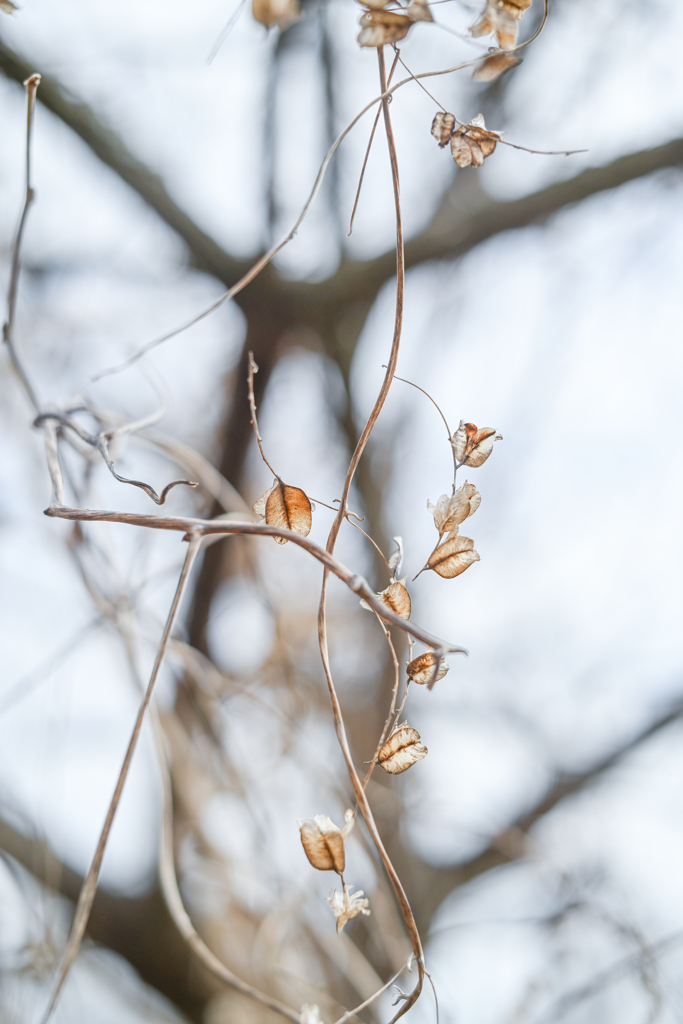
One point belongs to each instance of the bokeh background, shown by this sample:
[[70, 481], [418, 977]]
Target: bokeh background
[[541, 839]]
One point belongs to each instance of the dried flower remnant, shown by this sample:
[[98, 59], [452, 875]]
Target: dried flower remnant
[[451, 558], [501, 17], [323, 842], [473, 445], [310, 1014], [494, 65], [421, 669], [472, 143], [396, 558], [282, 13], [287, 507], [379, 27], [402, 750], [452, 510], [347, 905], [418, 10], [443, 126]]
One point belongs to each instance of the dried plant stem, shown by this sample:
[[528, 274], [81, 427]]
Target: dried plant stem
[[211, 527], [253, 368], [31, 84], [174, 902], [375, 546], [369, 147], [340, 728], [352, 1013], [448, 429], [392, 705], [87, 894]]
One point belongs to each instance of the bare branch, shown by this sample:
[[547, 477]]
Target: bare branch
[[87, 895]]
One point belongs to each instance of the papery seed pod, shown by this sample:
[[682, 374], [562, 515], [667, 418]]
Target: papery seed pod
[[421, 669], [402, 749], [287, 507], [472, 143], [452, 557], [397, 598], [323, 842], [501, 17], [347, 905], [442, 127], [282, 13], [418, 10], [381, 27], [8, 7], [395, 560], [452, 510], [473, 445], [494, 65]]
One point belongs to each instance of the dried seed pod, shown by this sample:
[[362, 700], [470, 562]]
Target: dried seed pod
[[402, 749], [473, 445], [381, 27], [323, 842], [418, 10], [397, 598], [494, 65], [282, 13], [286, 507], [501, 17], [442, 127], [8, 7], [396, 558], [421, 669], [347, 905], [452, 510], [452, 557], [472, 143]]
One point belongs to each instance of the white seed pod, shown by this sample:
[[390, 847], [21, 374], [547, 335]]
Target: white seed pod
[[452, 510], [402, 749]]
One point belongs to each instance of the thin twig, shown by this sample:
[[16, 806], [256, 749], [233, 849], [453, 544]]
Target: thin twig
[[253, 368], [89, 888], [174, 901], [352, 1013], [340, 727], [368, 148], [31, 84], [448, 429], [225, 31], [392, 704], [209, 527]]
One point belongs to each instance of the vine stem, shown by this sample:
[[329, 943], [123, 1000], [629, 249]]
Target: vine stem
[[339, 725], [89, 888]]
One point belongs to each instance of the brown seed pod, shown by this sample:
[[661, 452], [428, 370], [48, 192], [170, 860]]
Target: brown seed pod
[[501, 17], [397, 598], [452, 510], [286, 507], [282, 13], [452, 557], [381, 27], [8, 7], [494, 65], [418, 10], [472, 143], [473, 445], [421, 669], [323, 842], [442, 127], [402, 749]]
